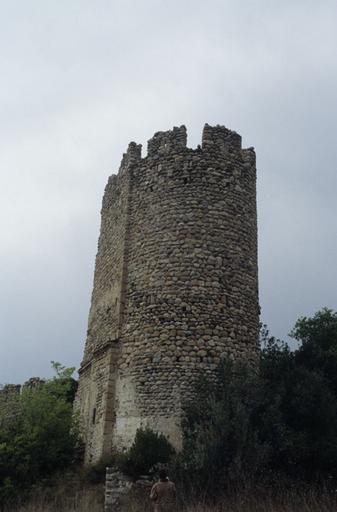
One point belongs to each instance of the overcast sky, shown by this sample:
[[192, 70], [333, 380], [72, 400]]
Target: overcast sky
[[81, 79]]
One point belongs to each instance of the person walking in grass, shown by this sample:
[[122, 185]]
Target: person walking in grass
[[163, 494]]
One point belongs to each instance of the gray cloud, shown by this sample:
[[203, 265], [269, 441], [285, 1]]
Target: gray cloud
[[82, 79]]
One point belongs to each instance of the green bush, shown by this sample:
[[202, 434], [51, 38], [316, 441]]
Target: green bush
[[147, 450], [95, 473]]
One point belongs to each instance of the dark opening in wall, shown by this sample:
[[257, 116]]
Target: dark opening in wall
[[94, 416]]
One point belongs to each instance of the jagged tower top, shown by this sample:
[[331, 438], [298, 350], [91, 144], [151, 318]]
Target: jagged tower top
[[214, 138]]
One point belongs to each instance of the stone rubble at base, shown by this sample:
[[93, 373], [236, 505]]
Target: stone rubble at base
[[116, 486]]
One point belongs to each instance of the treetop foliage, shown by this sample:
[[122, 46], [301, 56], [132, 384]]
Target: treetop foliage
[[38, 436]]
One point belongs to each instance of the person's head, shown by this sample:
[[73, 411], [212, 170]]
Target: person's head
[[163, 475]]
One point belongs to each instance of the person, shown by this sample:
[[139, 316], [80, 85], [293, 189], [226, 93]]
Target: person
[[163, 494]]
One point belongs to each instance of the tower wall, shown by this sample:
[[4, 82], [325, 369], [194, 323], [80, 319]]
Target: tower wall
[[98, 373], [178, 250]]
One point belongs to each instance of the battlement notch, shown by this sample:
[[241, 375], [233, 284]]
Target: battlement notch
[[162, 142]]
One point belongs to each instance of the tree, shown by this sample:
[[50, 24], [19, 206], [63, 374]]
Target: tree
[[318, 349], [277, 419], [221, 438], [300, 409], [40, 438]]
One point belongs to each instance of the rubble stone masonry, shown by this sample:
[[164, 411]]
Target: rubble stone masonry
[[175, 286]]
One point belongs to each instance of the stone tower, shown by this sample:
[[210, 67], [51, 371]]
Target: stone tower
[[175, 286]]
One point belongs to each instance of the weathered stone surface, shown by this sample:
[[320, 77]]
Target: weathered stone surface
[[175, 287], [9, 391], [116, 485]]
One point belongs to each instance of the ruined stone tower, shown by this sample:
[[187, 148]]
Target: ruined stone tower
[[175, 286]]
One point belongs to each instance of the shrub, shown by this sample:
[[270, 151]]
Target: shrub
[[95, 473], [148, 449]]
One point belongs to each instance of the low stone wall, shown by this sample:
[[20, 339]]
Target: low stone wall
[[118, 485]]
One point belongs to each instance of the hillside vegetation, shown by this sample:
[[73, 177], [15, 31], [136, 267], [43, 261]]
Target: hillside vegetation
[[264, 439]]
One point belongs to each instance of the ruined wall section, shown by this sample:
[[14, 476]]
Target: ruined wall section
[[9, 392], [10, 396], [191, 292], [103, 322], [96, 392]]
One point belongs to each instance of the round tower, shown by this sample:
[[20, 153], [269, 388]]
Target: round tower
[[175, 287]]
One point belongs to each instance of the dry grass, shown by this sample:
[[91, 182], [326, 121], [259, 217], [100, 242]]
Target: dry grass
[[90, 499], [288, 501], [80, 500]]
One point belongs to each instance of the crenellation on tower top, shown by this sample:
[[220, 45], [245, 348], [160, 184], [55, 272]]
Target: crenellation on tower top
[[132, 155], [221, 138], [163, 142], [249, 157]]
